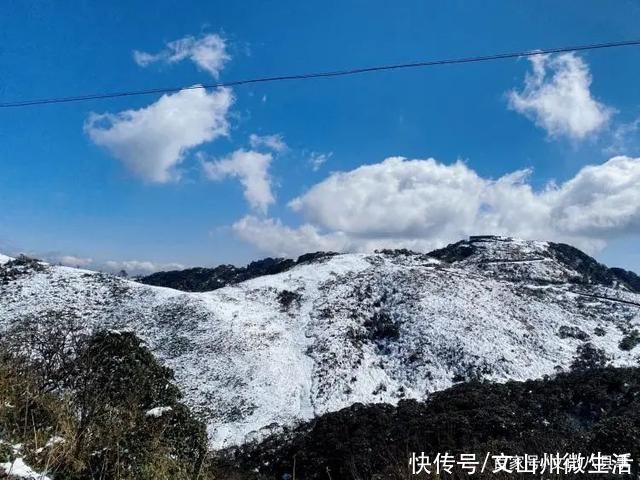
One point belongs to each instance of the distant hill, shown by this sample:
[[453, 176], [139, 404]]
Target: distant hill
[[201, 279], [206, 279]]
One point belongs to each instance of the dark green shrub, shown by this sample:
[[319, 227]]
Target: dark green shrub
[[117, 382], [566, 331], [589, 357], [630, 340]]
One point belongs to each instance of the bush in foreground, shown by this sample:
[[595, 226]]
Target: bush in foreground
[[115, 414]]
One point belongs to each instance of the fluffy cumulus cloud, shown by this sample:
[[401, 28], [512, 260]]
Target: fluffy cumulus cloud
[[600, 201], [270, 235], [557, 97], [359, 202], [270, 142], [208, 52], [424, 204], [252, 168], [153, 140]]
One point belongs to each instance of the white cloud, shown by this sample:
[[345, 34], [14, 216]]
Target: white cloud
[[423, 194], [557, 97], [152, 141], [601, 201], [270, 235], [209, 52], [424, 204], [625, 137], [132, 267], [138, 267], [252, 168], [271, 142], [72, 261], [316, 160]]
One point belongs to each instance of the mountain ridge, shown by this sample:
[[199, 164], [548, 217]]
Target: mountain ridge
[[202, 279]]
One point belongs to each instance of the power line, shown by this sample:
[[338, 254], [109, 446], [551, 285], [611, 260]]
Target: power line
[[329, 74]]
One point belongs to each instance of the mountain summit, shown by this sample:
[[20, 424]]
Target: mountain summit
[[334, 330]]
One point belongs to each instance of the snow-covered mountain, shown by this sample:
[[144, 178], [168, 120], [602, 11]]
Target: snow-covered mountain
[[349, 328]]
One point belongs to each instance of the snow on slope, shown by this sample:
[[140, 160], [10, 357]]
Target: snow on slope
[[350, 328]]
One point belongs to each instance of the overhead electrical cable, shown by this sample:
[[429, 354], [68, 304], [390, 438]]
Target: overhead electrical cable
[[327, 74]]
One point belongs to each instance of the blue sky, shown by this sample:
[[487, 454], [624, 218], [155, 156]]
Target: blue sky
[[85, 180]]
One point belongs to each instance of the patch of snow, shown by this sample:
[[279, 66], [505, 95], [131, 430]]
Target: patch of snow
[[53, 441], [17, 468], [158, 411]]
